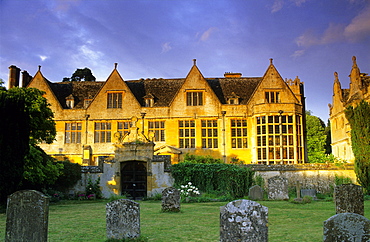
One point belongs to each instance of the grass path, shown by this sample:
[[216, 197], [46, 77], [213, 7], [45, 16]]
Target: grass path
[[85, 221]]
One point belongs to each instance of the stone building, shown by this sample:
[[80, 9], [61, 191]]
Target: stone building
[[254, 119], [359, 89]]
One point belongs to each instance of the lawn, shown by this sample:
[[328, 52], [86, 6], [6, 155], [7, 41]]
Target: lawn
[[85, 221]]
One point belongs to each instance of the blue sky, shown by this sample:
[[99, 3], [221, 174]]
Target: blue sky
[[310, 39]]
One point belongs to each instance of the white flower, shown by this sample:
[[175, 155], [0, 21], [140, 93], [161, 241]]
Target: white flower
[[189, 183]]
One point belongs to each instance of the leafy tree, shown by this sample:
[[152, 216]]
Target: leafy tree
[[14, 142], [42, 125], [40, 170], [83, 75], [26, 120], [359, 120], [316, 139], [70, 174]]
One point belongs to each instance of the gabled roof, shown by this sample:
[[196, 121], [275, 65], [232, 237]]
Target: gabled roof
[[242, 87], [163, 90], [79, 90]]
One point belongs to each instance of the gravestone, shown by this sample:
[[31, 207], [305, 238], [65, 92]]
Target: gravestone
[[243, 220], [349, 198], [309, 192], [27, 216], [350, 227], [278, 188], [123, 219], [171, 200], [255, 193]]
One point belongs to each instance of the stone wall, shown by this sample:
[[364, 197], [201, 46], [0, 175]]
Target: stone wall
[[310, 176]]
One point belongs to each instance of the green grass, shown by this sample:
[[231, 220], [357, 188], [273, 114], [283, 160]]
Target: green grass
[[85, 221]]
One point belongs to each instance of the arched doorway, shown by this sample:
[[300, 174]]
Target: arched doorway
[[133, 179]]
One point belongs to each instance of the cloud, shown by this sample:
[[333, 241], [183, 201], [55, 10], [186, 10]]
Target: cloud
[[43, 57], [277, 6], [359, 28], [205, 36], [298, 53], [166, 47]]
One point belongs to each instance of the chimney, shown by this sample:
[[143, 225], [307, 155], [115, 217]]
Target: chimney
[[13, 76], [232, 75], [26, 78]]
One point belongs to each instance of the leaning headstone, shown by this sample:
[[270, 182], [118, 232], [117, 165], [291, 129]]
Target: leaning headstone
[[27, 216], [171, 200], [349, 198], [350, 227], [255, 193], [243, 220], [123, 219], [309, 192], [278, 188]]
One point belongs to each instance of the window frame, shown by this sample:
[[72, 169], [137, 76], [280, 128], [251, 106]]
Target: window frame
[[114, 100], [194, 98], [72, 136]]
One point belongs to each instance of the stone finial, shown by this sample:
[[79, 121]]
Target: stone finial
[[354, 60], [115, 65], [336, 76], [271, 61], [195, 62], [39, 67]]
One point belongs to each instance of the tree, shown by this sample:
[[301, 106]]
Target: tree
[[26, 120], [42, 125], [316, 138], [83, 75], [359, 120], [14, 142]]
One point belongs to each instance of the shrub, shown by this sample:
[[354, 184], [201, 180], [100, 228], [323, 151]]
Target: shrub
[[231, 179], [70, 175], [93, 188]]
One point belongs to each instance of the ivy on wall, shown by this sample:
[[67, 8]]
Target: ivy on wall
[[230, 179], [359, 119]]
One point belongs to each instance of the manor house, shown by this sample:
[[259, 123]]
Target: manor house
[[251, 119], [359, 89]]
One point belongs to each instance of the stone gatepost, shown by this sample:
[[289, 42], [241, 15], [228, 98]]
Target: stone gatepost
[[123, 219], [243, 220], [27, 216], [349, 198], [171, 200]]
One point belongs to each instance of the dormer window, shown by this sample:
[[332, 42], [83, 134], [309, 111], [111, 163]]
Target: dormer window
[[233, 99], [70, 101], [148, 100]]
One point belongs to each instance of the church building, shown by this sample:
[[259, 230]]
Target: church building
[[256, 120], [359, 89]]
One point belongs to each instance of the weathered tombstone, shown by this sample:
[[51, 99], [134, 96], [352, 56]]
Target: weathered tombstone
[[350, 227], [123, 219], [27, 216], [243, 220], [309, 192], [171, 200], [278, 188], [349, 198], [255, 193]]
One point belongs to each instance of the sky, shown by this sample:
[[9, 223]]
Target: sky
[[310, 39]]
